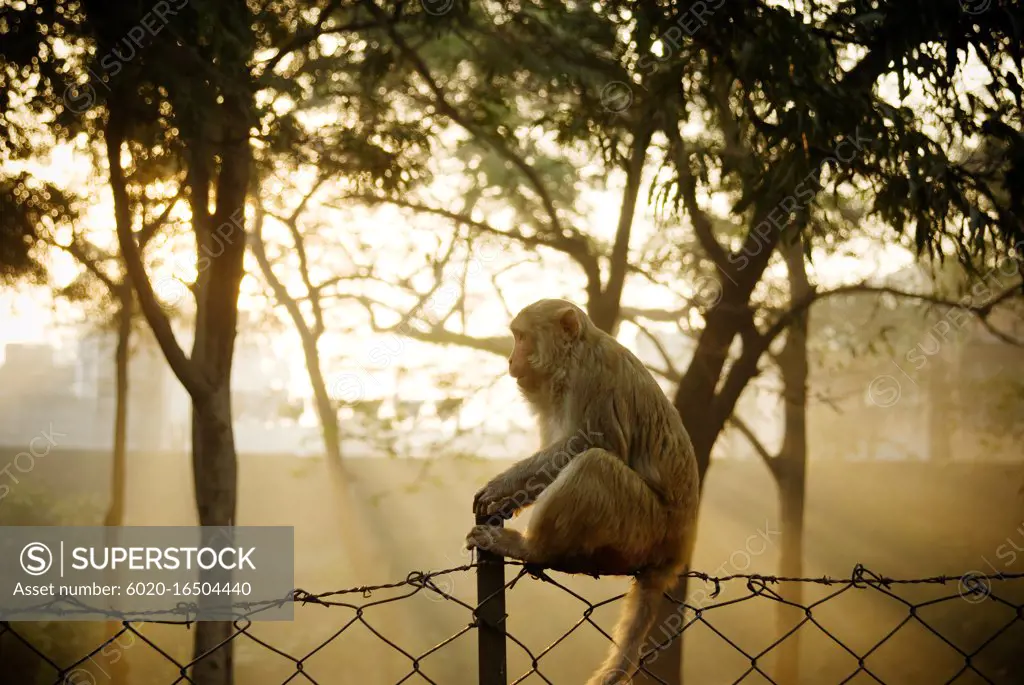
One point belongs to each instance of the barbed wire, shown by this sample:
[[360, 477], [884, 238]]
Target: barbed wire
[[974, 587]]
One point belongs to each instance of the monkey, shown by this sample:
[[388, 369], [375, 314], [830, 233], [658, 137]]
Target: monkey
[[615, 487]]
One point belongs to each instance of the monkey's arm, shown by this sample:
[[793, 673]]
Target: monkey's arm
[[520, 485]]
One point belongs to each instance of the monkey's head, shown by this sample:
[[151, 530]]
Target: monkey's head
[[547, 336]]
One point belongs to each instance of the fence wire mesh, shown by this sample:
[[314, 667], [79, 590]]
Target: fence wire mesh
[[984, 634]]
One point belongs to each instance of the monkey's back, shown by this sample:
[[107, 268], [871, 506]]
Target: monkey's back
[[643, 426]]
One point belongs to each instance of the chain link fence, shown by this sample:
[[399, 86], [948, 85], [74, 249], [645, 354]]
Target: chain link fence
[[975, 624]]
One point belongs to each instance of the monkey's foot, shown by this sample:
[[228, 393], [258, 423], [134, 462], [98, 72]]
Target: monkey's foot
[[502, 541]]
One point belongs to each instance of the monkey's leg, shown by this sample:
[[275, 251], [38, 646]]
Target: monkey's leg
[[597, 515], [504, 541]]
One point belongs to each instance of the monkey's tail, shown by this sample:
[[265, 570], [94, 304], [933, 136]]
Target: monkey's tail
[[638, 616]]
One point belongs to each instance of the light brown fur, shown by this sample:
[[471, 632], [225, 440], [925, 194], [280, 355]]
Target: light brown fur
[[614, 488]]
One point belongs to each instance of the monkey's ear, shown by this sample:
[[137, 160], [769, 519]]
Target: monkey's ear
[[570, 323]]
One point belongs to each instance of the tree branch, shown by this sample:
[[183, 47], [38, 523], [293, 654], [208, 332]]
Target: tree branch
[[90, 261], [745, 366], [148, 231], [755, 442], [619, 261], [703, 227], [194, 382], [499, 345], [446, 108], [668, 315], [438, 268], [303, 38], [575, 247], [292, 222], [438, 335], [670, 372], [280, 292], [981, 311]]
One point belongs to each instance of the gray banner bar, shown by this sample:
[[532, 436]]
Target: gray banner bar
[[146, 573]]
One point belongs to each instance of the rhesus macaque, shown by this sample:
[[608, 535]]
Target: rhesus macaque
[[615, 486]]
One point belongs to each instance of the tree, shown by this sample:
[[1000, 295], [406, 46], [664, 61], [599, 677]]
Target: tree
[[806, 139], [790, 105], [177, 87], [27, 208], [214, 119], [309, 333], [56, 211], [118, 290], [789, 467]]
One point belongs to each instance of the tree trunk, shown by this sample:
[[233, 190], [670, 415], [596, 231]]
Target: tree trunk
[[325, 408], [704, 408], [206, 374], [695, 411], [701, 405], [694, 401], [221, 240], [214, 469], [604, 304], [791, 465], [115, 510], [218, 158], [118, 669], [792, 495]]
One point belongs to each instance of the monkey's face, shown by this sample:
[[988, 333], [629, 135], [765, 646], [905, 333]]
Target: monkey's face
[[519, 366], [543, 334]]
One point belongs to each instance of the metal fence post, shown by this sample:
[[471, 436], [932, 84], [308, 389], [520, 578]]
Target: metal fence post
[[490, 598]]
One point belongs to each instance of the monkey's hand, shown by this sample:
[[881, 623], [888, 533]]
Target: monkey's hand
[[500, 496]]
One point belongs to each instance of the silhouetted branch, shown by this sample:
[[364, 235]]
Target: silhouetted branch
[[755, 442], [446, 108], [195, 383]]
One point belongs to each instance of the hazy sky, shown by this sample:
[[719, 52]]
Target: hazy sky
[[29, 315], [32, 315]]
